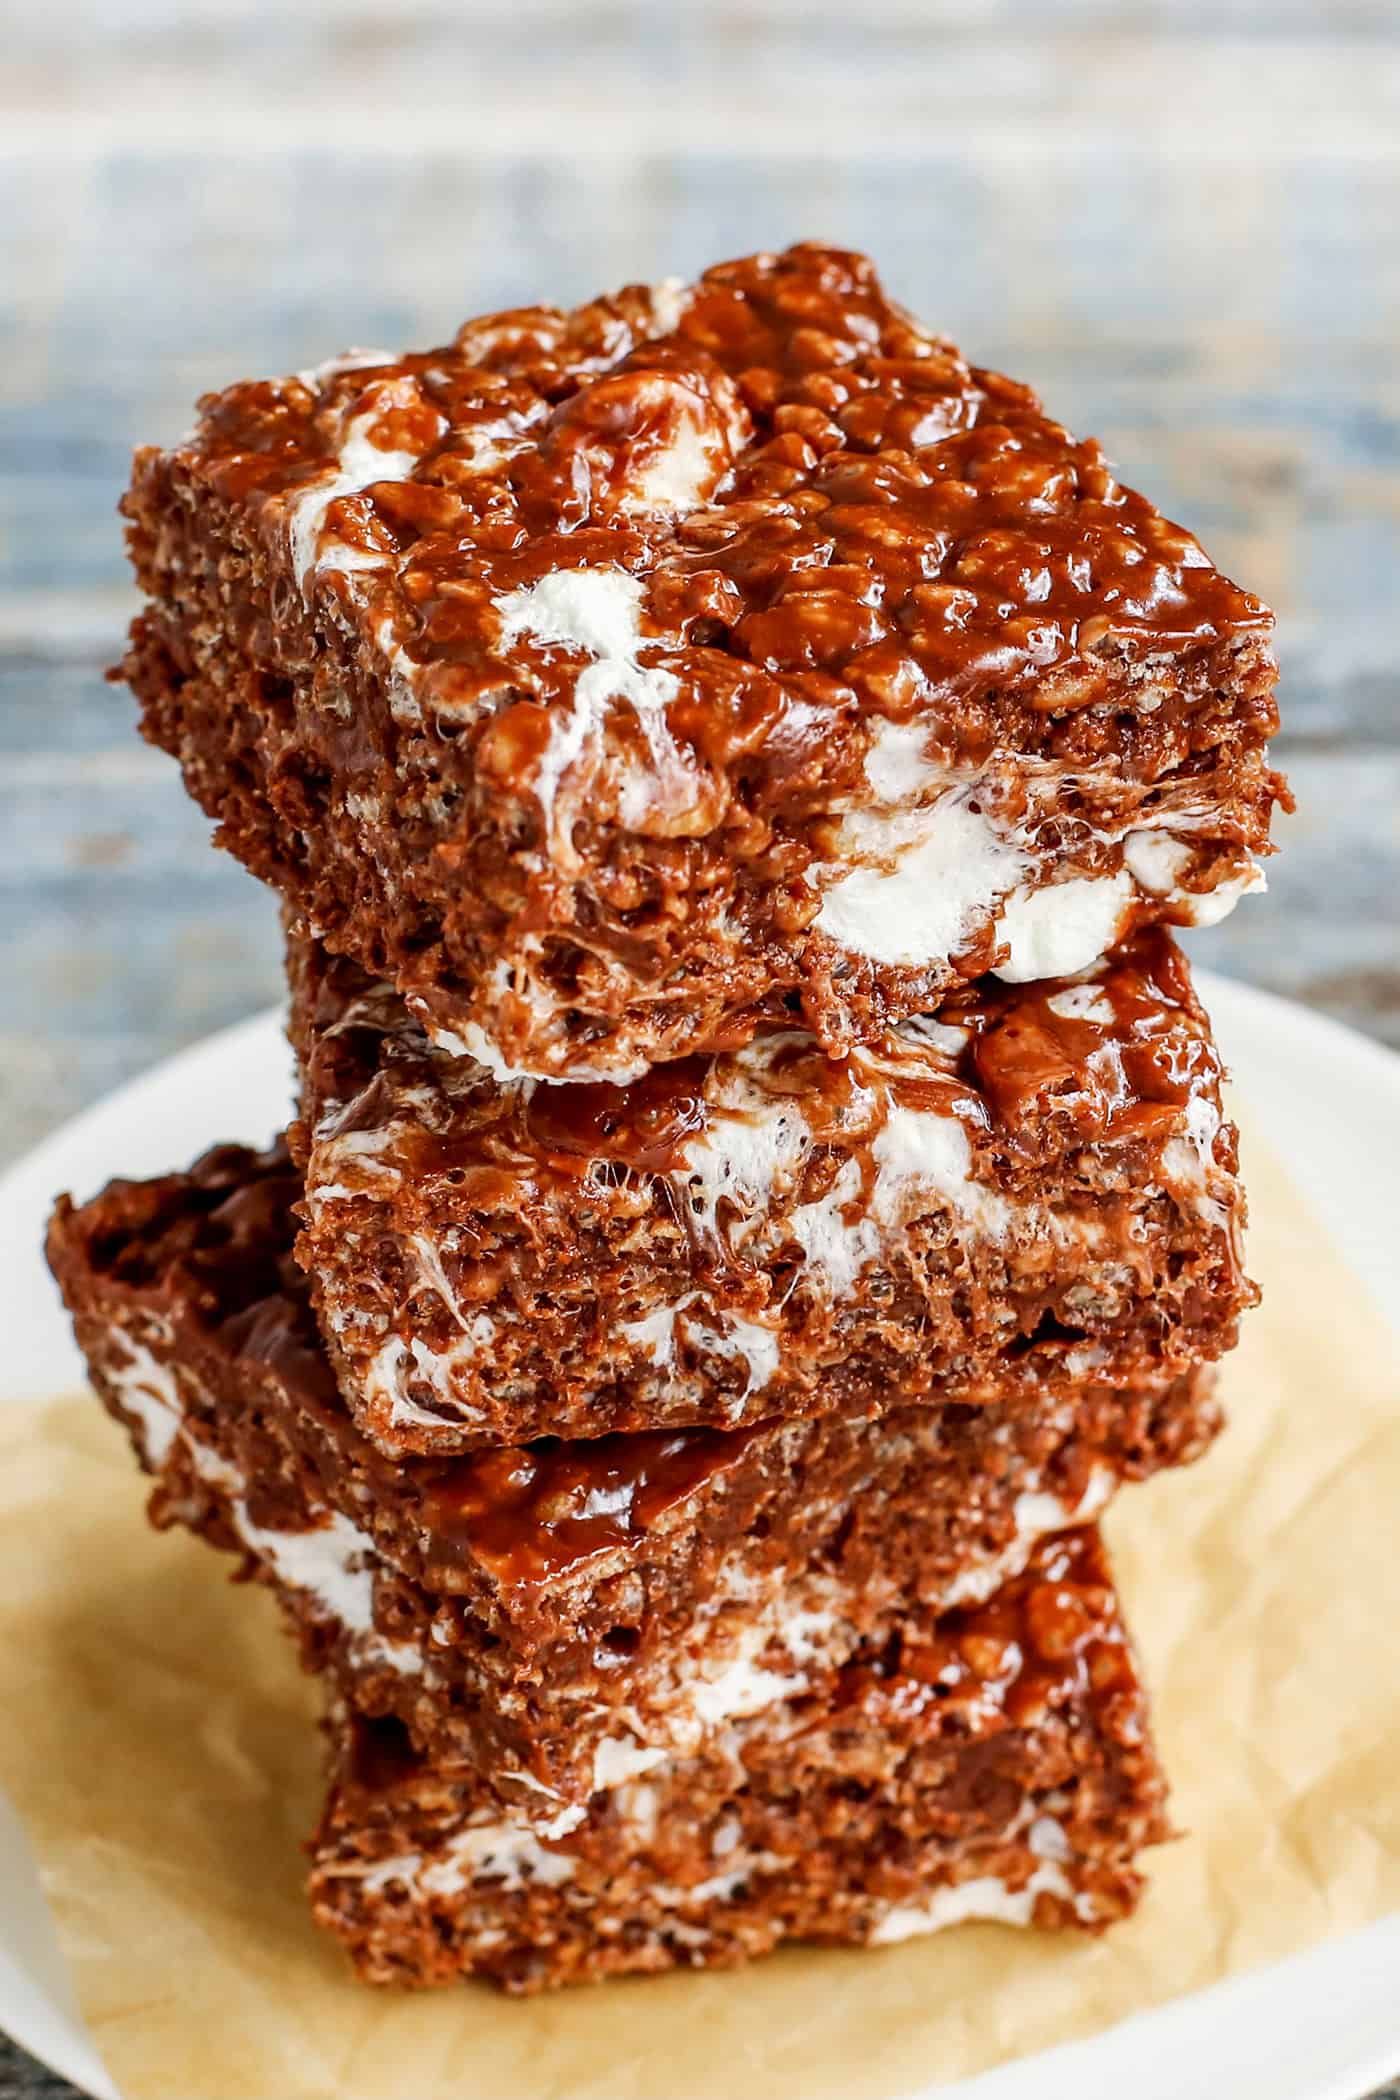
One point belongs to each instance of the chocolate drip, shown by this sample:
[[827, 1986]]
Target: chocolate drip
[[531, 1512], [1048, 1639]]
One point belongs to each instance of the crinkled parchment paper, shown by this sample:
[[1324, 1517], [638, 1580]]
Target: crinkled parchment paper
[[158, 1741]]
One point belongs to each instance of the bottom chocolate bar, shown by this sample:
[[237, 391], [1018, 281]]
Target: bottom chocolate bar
[[992, 1763]]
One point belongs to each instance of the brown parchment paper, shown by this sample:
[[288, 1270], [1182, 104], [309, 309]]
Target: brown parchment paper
[[158, 1741]]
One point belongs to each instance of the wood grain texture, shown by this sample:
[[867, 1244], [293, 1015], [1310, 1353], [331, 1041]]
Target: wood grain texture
[[1179, 221]]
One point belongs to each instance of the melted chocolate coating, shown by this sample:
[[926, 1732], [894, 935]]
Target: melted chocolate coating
[[888, 528], [1050, 1638], [529, 1511], [1030, 1078]]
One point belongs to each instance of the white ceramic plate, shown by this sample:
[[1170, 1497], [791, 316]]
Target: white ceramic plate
[[1323, 2026]]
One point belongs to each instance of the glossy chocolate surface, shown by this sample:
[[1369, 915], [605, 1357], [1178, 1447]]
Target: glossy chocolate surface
[[1049, 1639], [1111, 1055], [864, 520]]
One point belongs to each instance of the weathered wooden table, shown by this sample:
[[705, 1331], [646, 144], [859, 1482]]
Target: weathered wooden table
[[1181, 224]]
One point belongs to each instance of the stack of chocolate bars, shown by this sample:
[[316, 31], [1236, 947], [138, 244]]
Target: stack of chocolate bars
[[759, 1183]]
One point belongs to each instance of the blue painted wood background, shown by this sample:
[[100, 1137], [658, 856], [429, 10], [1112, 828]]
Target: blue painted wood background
[[1179, 221]]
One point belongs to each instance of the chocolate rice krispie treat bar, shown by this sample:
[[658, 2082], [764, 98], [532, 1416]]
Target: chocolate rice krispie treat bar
[[618, 682], [563, 1616], [992, 1763], [1037, 1187]]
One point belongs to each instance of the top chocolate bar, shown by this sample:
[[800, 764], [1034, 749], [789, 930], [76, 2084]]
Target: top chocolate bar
[[616, 682]]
